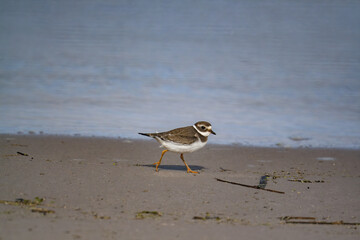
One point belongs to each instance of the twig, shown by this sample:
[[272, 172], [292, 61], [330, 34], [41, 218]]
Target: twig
[[312, 220], [23, 154], [306, 181], [41, 210], [224, 170], [287, 218], [324, 222], [250, 186]]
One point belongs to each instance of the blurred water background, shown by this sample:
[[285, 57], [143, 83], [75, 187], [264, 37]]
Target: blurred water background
[[264, 73]]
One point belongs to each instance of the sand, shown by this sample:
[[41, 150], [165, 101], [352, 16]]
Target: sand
[[103, 188]]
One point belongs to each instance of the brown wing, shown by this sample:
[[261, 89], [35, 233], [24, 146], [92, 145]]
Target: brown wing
[[185, 135]]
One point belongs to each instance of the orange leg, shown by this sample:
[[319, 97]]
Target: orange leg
[[158, 163], [188, 168]]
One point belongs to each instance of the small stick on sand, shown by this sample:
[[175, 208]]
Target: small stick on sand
[[312, 220], [249, 186], [23, 154]]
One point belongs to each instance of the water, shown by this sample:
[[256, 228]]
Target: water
[[263, 73]]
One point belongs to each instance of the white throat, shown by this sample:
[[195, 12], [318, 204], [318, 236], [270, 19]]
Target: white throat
[[205, 134]]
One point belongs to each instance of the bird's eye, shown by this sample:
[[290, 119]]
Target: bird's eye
[[203, 127]]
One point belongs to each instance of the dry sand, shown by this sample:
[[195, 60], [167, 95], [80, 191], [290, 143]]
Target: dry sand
[[98, 187]]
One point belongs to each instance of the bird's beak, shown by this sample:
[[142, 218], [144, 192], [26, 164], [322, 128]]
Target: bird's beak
[[212, 132]]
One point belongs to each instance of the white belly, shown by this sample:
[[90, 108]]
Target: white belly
[[175, 147]]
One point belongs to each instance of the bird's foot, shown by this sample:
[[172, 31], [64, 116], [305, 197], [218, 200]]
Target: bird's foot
[[191, 171], [157, 164]]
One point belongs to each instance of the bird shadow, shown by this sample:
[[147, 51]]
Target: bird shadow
[[173, 167]]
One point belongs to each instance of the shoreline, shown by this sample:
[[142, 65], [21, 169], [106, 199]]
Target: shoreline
[[210, 142], [107, 188]]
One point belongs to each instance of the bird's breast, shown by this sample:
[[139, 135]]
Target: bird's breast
[[183, 148]]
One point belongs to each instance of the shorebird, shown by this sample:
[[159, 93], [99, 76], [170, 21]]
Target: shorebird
[[183, 140]]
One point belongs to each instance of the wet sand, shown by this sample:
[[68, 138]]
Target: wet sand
[[102, 188]]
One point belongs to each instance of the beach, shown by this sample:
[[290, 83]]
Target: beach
[[278, 80], [73, 187]]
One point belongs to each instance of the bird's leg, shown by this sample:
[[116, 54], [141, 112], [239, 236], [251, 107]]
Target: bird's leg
[[188, 168], [158, 163]]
